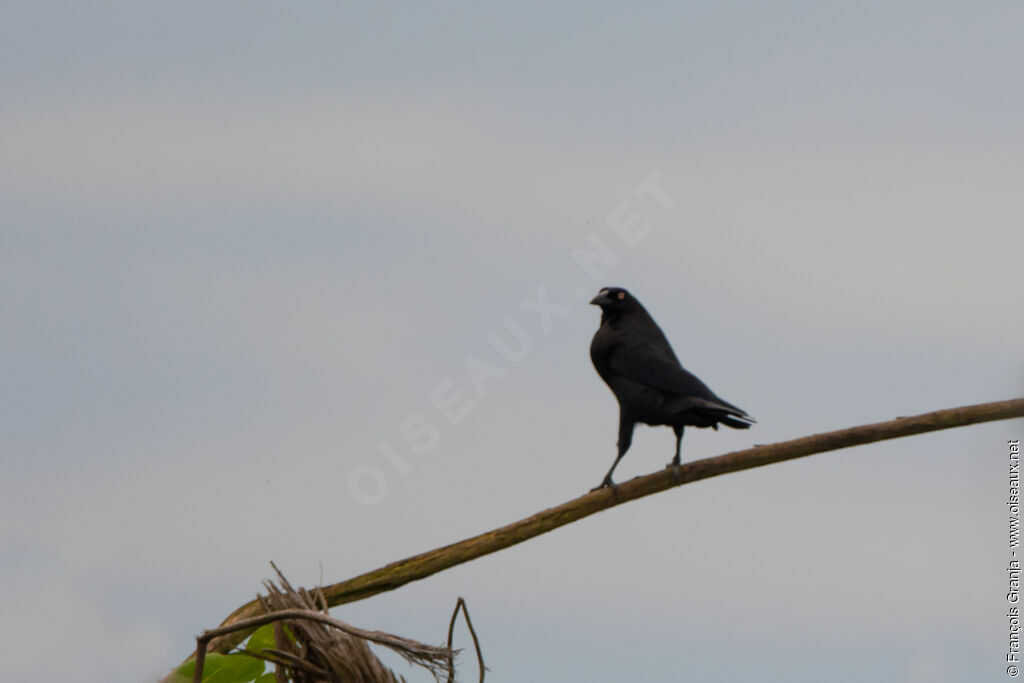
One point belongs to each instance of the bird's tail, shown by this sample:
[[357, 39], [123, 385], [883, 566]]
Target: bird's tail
[[737, 423], [721, 412]]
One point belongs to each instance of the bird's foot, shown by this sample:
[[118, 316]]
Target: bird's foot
[[606, 484], [675, 467]]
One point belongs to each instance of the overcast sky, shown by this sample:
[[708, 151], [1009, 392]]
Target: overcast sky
[[241, 244]]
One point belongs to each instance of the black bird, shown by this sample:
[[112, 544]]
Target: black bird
[[635, 360]]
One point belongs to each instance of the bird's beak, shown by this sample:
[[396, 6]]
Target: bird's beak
[[601, 299]]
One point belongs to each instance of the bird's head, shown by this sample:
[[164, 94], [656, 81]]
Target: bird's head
[[614, 300]]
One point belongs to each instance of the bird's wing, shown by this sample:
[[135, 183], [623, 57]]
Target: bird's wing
[[654, 367]]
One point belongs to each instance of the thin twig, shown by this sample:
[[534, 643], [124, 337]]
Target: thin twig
[[287, 659], [421, 566], [476, 642], [378, 637]]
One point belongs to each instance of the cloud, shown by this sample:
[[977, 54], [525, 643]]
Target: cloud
[[331, 150], [65, 629], [868, 234]]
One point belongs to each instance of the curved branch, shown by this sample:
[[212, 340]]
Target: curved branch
[[423, 565], [461, 604], [378, 637]]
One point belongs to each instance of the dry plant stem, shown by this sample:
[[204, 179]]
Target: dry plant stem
[[461, 604], [282, 642], [283, 659], [421, 566], [249, 625]]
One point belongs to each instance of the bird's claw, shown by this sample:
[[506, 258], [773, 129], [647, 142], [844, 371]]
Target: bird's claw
[[607, 484], [674, 465]]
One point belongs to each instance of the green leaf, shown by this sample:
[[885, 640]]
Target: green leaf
[[269, 677], [263, 638], [184, 673], [237, 668], [233, 668]]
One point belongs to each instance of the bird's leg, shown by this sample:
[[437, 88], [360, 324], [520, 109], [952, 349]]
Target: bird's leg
[[679, 442], [607, 481], [625, 438]]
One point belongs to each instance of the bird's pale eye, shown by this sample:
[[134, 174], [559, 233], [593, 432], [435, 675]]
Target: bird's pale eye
[[622, 295]]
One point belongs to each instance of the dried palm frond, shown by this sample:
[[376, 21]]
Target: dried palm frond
[[319, 648]]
